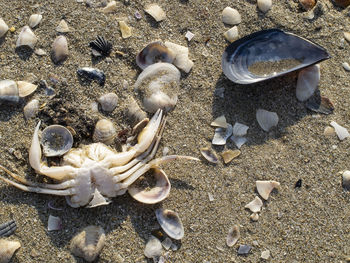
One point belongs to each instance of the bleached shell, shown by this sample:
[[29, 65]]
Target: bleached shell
[[110, 7], [31, 109], [308, 80], [329, 131], [209, 155], [265, 187], [59, 51], [221, 135], [25, 88], [239, 129], [26, 38], [264, 5], [34, 20], [3, 27], [231, 34], [347, 36], [105, 132], [62, 27], [239, 141], [219, 122], [231, 16], [159, 100], [9, 91], [39, 52], [229, 155], [170, 222], [156, 12], [266, 119], [181, 60], [8, 249], [54, 223], [56, 140], [346, 179], [108, 101], [233, 236], [134, 111], [346, 66], [254, 217], [153, 248], [341, 132], [255, 205], [124, 29], [88, 243]]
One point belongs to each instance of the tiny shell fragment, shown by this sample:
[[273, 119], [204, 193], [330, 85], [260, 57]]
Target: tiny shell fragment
[[266, 119], [34, 20], [156, 12], [124, 29], [8, 249], [346, 66], [219, 122], [329, 131], [239, 141], [265, 254], [153, 248], [347, 36], [239, 129], [231, 16], [189, 35], [110, 7], [54, 223], [340, 131], [221, 135], [255, 205], [231, 34], [62, 27], [265, 187], [229, 155], [254, 217], [209, 155], [233, 236]]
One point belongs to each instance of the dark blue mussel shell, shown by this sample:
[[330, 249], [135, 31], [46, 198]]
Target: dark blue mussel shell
[[8, 228], [269, 48], [92, 74]]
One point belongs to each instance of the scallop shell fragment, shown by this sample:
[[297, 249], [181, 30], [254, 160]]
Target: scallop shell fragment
[[31, 109], [233, 236], [8, 249], [209, 155], [108, 101], [26, 38], [34, 20], [9, 91], [170, 223], [155, 11], [100, 46], [105, 132], [266, 119], [240, 129], [59, 51], [3, 28], [341, 132], [231, 16], [255, 205], [62, 27], [56, 140], [89, 243], [265, 187], [308, 80], [25, 88], [153, 248]]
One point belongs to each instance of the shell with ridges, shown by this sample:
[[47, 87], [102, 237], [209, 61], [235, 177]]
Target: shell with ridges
[[25, 88], [105, 132], [26, 38], [100, 46], [59, 51], [3, 27], [108, 101], [62, 27], [8, 249]]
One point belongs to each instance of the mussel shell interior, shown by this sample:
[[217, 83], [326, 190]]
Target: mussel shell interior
[[56, 140], [276, 53]]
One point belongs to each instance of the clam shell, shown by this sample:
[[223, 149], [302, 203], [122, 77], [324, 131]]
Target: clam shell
[[231, 16], [31, 109], [233, 236], [34, 20], [8, 249], [25, 88], [156, 193], [255, 205], [56, 140], [209, 155], [266, 119], [88, 243], [264, 5], [26, 38], [9, 91], [153, 248], [231, 34], [3, 27], [62, 27], [265, 187], [156, 12], [308, 79], [100, 46], [269, 54], [108, 101], [59, 51], [170, 223], [105, 132]]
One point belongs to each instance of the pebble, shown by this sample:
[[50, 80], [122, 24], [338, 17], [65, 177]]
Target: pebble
[[346, 180], [264, 5], [346, 66], [231, 16], [125, 29], [244, 249], [265, 254], [254, 217], [307, 4], [231, 34]]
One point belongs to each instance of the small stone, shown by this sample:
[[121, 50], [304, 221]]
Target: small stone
[[244, 249], [264, 5], [231, 16], [346, 66], [265, 254], [12, 29], [34, 253], [346, 180], [137, 15], [231, 34], [347, 36], [307, 4], [254, 217], [255, 243], [125, 29], [298, 184], [329, 131]]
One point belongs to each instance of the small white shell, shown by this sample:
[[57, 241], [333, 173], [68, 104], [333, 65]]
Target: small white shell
[[346, 66], [239, 129], [8, 249], [156, 12], [231, 34], [239, 141], [3, 27], [25, 88], [62, 27], [308, 80], [153, 248], [26, 38], [254, 217], [266, 119], [54, 223], [255, 205], [219, 122], [221, 135], [31, 109], [209, 155], [347, 36], [181, 56], [110, 7], [346, 179], [34, 20], [88, 243], [265, 187], [56, 140], [231, 16], [105, 132], [264, 5], [108, 101], [170, 222], [341, 132], [8, 91], [59, 51], [233, 236]]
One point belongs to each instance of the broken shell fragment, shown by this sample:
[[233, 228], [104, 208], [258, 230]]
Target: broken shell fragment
[[100, 47], [9, 91], [181, 56], [308, 80], [110, 7], [156, 193], [8, 249], [3, 28], [254, 217], [156, 12], [264, 5], [31, 109], [26, 38], [105, 132], [239, 141], [153, 53], [209, 155], [307, 4], [92, 74], [108, 101], [265, 187], [221, 135], [62, 27], [170, 223], [347, 36], [25, 88], [321, 105], [59, 51], [266, 119], [125, 29], [231, 16], [255, 205], [88, 243], [229, 155], [239, 129], [231, 34], [341, 132], [329, 131], [233, 236], [34, 20], [56, 140], [54, 223], [153, 248], [8, 228], [219, 122]]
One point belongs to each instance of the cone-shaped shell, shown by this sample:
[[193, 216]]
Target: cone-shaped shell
[[170, 223], [59, 49], [26, 38], [7, 249], [3, 27], [105, 132], [25, 88]]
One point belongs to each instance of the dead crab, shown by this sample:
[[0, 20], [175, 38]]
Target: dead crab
[[91, 174]]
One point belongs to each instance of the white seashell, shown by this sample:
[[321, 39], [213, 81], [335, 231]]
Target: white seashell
[[156, 12], [31, 109], [264, 5], [8, 249], [108, 101], [346, 179], [105, 132], [233, 236], [62, 27], [255, 205], [254, 217], [219, 122], [25, 88], [54, 223], [209, 155], [221, 135], [346, 66], [34, 20], [265, 187], [239, 141], [134, 111], [308, 80], [40, 52], [153, 248], [166, 243], [88, 243], [59, 51], [26, 38], [8, 91], [239, 129], [124, 29], [171, 223], [3, 27], [181, 56], [266, 119], [159, 85], [265, 254], [231, 34], [189, 35], [341, 132], [329, 131], [347, 36], [231, 16], [110, 7]]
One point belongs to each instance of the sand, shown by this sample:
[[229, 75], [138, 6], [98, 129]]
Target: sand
[[307, 224]]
